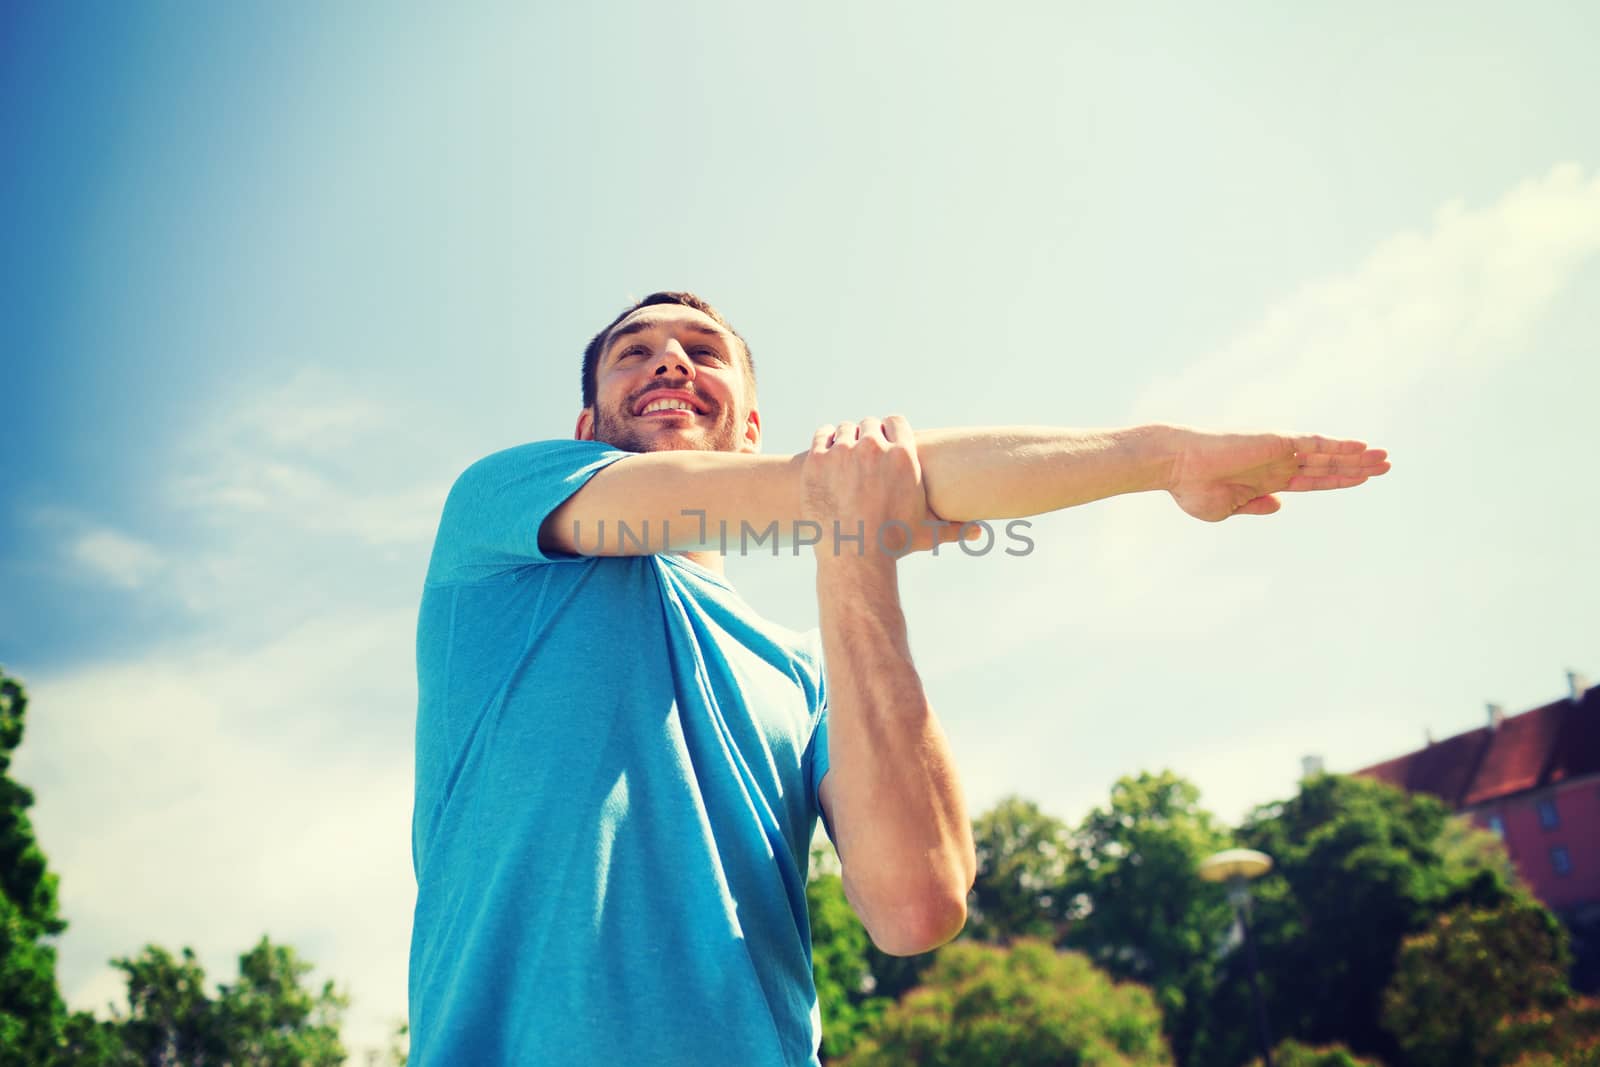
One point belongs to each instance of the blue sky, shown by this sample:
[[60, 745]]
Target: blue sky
[[273, 275]]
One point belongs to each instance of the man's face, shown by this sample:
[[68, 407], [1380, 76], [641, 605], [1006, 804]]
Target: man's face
[[659, 361]]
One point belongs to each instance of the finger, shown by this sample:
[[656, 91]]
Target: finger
[[846, 433], [822, 438], [897, 429], [1365, 462], [872, 427], [941, 534], [1261, 505], [933, 533], [1312, 483], [1315, 444]]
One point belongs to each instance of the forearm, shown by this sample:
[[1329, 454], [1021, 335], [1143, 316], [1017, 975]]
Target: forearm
[[899, 817], [678, 501], [1005, 472]]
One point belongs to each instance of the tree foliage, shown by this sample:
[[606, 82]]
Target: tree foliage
[[1467, 849], [30, 1005], [33, 1018], [25, 879], [1294, 1054], [1469, 969], [1145, 915], [1363, 874], [839, 967], [267, 1018], [1028, 1005], [1358, 868], [1569, 1036], [1020, 888]]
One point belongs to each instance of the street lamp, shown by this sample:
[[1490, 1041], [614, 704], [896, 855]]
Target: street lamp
[[1237, 867]]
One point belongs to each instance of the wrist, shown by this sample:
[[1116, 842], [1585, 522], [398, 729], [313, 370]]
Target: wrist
[[1155, 450], [846, 568], [861, 595]]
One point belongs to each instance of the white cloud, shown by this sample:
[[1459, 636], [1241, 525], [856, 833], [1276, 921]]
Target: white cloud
[[250, 489], [314, 412], [86, 549], [1453, 299], [314, 457], [122, 560]]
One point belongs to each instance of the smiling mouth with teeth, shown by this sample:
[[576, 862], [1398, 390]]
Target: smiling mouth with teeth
[[669, 405]]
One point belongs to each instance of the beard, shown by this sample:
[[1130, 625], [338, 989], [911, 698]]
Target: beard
[[714, 431]]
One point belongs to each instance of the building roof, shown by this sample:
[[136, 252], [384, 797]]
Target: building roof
[[1531, 750]]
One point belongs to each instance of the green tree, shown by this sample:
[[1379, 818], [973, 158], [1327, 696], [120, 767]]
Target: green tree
[[91, 1042], [266, 1019], [171, 1017], [35, 1027], [894, 976], [30, 1004], [271, 1019], [1466, 849], [1294, 1054], [1358, 867], [1144, 913], [1020, 888], [1029, 1005], [33, 1017], [839, 966], [1566, 1037], [1018, 891], [25, 879], [1469, 969]]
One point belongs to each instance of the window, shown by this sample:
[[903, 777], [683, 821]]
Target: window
[[1561, 861], [1497, 827], [1549, 817]]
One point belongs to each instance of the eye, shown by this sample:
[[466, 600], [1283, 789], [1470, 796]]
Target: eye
[[708, 353]]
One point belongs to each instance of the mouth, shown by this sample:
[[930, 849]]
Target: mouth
[[668, 404]]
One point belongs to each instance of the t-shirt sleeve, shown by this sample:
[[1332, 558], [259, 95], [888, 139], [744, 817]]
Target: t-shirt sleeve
[[492, 515], [819, 767], [817, 748]]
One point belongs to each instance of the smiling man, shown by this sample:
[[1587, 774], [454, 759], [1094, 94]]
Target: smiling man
[[620, 764]]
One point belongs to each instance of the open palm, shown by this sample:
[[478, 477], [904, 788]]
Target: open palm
[[1219, 475]]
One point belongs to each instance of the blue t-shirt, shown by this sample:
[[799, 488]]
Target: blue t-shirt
[[616, 788]]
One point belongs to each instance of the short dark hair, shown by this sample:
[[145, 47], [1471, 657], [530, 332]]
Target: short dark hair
[[596, 346]]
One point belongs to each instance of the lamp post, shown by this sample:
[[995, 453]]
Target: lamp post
[[1236, 867]]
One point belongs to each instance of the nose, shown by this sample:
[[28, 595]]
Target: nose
[[674, 359]]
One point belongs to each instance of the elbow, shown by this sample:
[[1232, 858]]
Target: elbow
[[920, 926]]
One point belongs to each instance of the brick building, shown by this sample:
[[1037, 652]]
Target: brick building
[[1532, 778]]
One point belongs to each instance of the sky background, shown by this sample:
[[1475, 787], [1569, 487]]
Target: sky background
[[272, 275]]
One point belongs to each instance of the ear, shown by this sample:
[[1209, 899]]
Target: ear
[[752, 432], [585, 428]]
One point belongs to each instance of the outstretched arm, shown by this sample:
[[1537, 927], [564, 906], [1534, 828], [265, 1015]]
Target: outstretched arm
[[988, 473]]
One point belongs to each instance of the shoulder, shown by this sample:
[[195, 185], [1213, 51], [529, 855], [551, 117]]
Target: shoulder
[[537, 466], [554, 453]]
